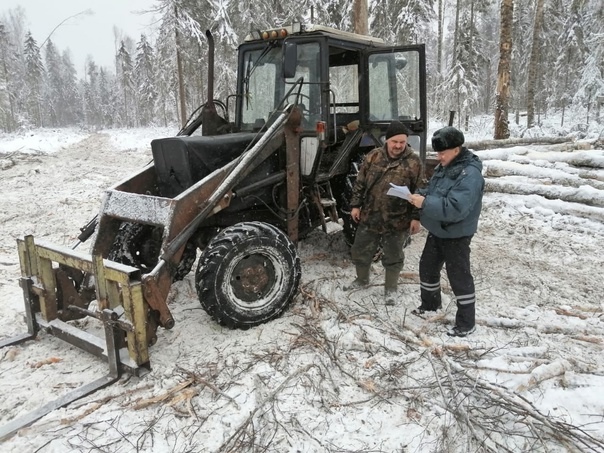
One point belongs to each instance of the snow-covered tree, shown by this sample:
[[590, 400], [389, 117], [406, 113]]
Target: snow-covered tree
[[7, 94], [164, 77], [91, 98], [53, 96], [126, 84], [33, 79], [72, 112], [144, 81]]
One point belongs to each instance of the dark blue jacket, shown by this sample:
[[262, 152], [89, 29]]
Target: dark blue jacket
[[454, 197]]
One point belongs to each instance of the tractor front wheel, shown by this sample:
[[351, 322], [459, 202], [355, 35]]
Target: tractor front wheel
[[248, 274]]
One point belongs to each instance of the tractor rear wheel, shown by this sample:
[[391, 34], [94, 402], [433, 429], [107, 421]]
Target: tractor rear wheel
[[248, 274]]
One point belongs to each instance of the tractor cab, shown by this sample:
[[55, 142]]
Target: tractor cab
[[349, 87]]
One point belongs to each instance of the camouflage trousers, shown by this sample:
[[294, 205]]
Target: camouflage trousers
[[366, 244]]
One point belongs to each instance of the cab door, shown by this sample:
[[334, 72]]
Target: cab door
[[394, 87]]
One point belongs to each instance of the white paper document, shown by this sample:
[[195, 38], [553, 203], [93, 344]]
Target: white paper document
[[399, 191]]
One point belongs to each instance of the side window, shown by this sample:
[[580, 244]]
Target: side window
[[394, 86]]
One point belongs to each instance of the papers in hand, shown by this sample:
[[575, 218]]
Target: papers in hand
[[399, 191]]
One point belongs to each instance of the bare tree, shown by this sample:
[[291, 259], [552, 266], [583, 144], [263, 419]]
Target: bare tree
[[359, 17], [503, 72], [533, 65], [439, 52], [181, 78]]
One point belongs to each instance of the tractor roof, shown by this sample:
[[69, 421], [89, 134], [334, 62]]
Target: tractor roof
[[301, 29]]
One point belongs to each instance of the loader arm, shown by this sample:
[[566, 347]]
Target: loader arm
[[209, 196]]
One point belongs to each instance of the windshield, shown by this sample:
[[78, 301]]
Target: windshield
[[394, 86], [261, 94], [307, 68], [264, 88]]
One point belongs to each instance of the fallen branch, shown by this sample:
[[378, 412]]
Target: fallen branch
[[564, 312], [271, 397], [95, 405], [200, 380], [543, 373], [141, 404], [508, 412]]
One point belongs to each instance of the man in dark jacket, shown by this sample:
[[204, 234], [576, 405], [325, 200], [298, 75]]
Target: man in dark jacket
[[450, 207], [383, 218]]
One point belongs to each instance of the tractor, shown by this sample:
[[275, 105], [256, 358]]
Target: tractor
[[234, 191]]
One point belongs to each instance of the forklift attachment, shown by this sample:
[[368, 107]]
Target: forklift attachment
[[50, 278]]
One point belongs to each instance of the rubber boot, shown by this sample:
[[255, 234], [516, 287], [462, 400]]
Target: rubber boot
[[362, 279], [390, 287]]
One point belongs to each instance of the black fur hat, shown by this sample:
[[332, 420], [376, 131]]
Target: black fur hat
[[397, 128], [447, 138]]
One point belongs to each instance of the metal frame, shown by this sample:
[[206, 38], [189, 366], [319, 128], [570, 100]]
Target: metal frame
[[117, 285], [112, 331]]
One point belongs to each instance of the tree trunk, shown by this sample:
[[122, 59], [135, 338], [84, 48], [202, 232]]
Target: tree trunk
[[575, 11], [359, 17], [439, 45], [456, 32], [533, 65], [503, 71], [181, 78], [455, 62]]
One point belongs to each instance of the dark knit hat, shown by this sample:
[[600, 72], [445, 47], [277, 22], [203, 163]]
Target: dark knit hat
[[397, 128], [447, 138]]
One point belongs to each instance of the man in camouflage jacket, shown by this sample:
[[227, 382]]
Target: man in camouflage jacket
[[383, 219]]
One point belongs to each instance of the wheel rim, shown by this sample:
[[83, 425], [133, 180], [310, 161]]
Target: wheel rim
[[254, 278]]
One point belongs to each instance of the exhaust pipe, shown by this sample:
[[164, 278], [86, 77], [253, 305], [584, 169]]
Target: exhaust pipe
[[210, 66], [209, 117]]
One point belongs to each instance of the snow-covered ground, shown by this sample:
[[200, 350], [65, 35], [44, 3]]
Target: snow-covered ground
[[339, 371]]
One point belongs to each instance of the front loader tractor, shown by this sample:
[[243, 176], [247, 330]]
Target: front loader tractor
[[235, 190]]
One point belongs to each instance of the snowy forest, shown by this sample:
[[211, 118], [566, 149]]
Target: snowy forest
[[556, 59]]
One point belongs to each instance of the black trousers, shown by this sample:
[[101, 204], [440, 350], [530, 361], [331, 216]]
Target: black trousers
[[455, 254]]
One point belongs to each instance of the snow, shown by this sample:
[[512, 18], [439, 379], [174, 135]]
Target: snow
[[339, 371], [40, 141]]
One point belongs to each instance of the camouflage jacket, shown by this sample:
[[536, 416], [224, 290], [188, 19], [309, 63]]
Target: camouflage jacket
[[381, 212]]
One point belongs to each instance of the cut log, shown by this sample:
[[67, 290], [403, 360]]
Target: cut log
[[506, 143], [583, 195], [546, 175]]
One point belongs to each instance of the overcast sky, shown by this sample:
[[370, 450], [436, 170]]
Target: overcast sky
[[87, 34]]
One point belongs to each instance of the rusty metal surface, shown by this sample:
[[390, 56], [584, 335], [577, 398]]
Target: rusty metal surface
[[49, 275], [156, 287], [292, 153], [12, 427], [67, 294]]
